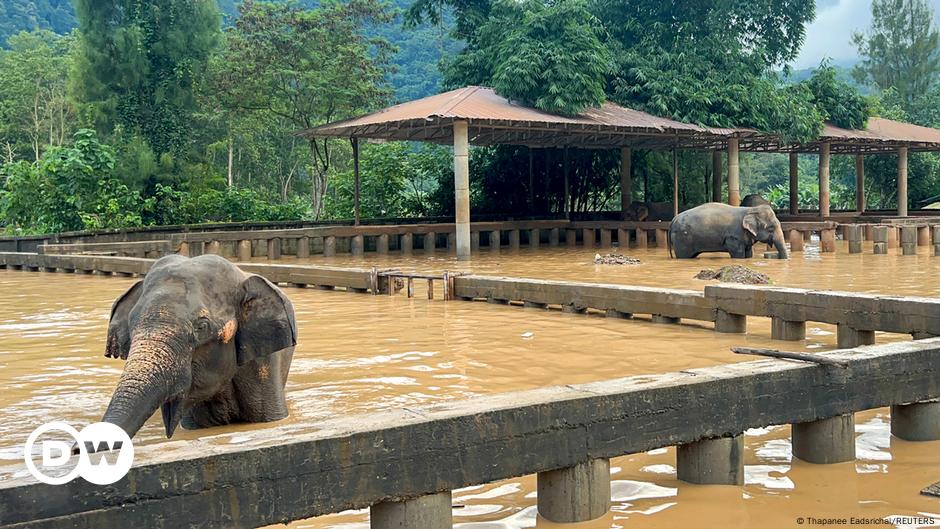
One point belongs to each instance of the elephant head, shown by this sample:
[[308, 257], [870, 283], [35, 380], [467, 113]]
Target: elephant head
[[762, 224], [185, 331], [636, 211]]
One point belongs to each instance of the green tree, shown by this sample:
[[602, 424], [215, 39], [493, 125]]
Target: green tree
[[838, 102], [901, 49], [307, 66], [140, 63]]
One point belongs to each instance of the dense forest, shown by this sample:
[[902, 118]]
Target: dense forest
[[122, 113]]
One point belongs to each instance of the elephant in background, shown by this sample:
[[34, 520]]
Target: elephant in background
[[636, 211], [205, 342], [649, 211], [754, 200], [716, 227]]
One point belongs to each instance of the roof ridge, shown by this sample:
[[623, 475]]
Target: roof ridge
[[459, 99]]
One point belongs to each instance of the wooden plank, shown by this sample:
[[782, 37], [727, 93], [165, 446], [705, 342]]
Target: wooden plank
[[293, 471]]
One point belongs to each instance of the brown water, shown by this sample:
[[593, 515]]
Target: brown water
[[360, 353]]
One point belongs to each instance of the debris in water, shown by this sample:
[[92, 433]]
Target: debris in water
[[734, 274], [615, 259]]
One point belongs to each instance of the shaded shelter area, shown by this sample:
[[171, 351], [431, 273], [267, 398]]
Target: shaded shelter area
[[476, 115]]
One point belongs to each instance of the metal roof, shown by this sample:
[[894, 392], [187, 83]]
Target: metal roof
[[495, 120]]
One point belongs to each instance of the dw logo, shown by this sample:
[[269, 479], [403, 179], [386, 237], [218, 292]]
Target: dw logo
[[105, 454]]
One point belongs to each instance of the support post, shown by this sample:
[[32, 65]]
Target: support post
[[571, 238], [642, 238], [357, 245], [381, 244], [880, 237], [860, 183], [183, 249], [626, 180], [244, 250], [919, 421], [303, 247], [587, 237], [716, 176], [712, 461], [825, 441], [606, 237], [923, 235], [781, 329], [675, 182], [575, 494], [734, 173], [796, 241], [908, 240], [329, 246], [623, 238], [853, 234], [902, 181], [567, 165], [827, 240], [553, 236], [407, 243], [274, 248], [474, 241], [848, 337], [514, 239], [531, 185], [534, 235], [725, 322], [356, 180], [824, 179], [462, 189], [427, 512], [794, 183], [936, 240], [494, 241], [430, 242]]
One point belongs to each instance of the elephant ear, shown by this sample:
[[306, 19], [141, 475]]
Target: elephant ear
[[266, 321], [750, 223], [119, 333]]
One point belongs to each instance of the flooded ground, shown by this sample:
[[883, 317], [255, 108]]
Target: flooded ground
[[360, 353]]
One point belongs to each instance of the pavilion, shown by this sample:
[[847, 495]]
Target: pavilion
[[476, 115]]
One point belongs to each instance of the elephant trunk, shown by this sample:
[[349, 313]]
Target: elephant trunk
[[152, 378], [780, 244]]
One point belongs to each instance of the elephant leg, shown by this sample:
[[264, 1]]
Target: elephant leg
[[749, 252], [219, 410]]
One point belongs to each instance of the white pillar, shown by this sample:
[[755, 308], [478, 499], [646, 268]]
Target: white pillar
[[462, 189], [734, 173], [824, 179], [902, 181]]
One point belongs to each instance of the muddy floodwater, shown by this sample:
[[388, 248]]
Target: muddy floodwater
[[359, 353]]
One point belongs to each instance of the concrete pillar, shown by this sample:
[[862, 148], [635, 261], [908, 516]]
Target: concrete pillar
[[716, 176], [825, 441], [356, 245], [452, 242], [860, 183], [474, 241], [796, 241], [623, 238], [587, 237], [430, 242], [626, 179], [781, 329], [794, 183], [214, 247], [642, 239], [923, 236], [534, 236], [726, 322], [514, 239], [407, 243], [675, 183], [902, 181], [847, 337], [734, 173], [571, 238], [919, 421], [936, 240], [908, 240], [712, 461], [329, 246], [462, 189], [303, 247], [660, 238], [575, 494], [892, 237], [869, 230], [827, 240], [824, 179], [853, 234], [183, 249], [553, 236], [381, 244], [274, 248], [244, 250], [606, 236], [494, 240], [427, 512], [879, 235]]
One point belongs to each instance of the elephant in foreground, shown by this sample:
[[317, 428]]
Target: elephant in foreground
[[205, 342], [716, 227], [754, 200]]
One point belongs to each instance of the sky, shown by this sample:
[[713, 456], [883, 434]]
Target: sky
[[830, 34]]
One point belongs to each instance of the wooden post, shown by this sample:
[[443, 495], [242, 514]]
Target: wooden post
[[567, 165], [462, 188], [356, 186], [824, 179], [860, 183], [531, 183], [716, 176], [796, 241], [626, 179], [794, 183], [675, 182], [902, 181], [734, 173]]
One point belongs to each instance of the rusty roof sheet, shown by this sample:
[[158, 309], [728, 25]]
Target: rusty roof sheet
[[885, 130]]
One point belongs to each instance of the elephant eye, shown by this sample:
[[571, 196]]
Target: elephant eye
[[201, 328]]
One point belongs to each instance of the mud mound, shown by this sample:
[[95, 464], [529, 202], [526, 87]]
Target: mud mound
[[734, 274], [615, 259]]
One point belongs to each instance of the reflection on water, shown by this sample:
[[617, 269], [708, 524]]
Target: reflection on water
[[360, 353]]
